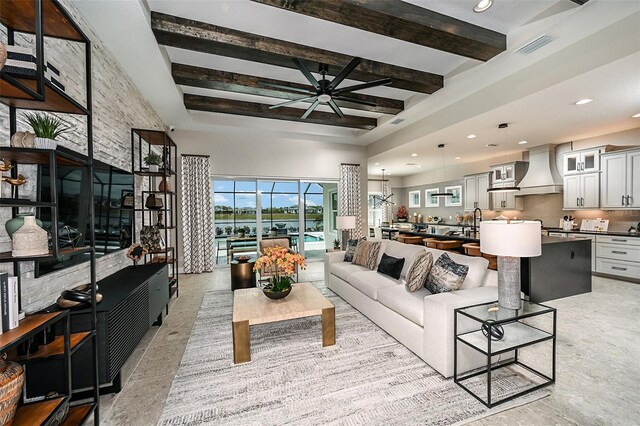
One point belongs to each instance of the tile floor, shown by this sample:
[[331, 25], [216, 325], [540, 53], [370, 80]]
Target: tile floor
[[598, 359]]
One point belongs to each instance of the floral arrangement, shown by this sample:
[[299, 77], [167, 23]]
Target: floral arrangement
[[281, 263], [402, 212]]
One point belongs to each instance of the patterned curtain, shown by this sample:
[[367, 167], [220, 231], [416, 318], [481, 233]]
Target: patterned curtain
[[350, 196], [386, 207], [197, 221]]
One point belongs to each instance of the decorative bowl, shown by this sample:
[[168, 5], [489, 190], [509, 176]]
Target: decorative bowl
[[243, 259], [276, 295]]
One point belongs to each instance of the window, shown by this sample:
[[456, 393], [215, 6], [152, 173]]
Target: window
[[375, 209]]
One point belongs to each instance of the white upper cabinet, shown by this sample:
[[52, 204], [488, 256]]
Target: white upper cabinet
[[475, 191], [620, 180], [582, 191], [586, 161]]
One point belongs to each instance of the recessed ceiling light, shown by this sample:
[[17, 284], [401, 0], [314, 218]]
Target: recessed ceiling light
[[414, 155], [482, 5], [636, 115], [419, 165], [491, 144], [457, 158], [522, 142], [471, 136], [583, 101], [376, 164]]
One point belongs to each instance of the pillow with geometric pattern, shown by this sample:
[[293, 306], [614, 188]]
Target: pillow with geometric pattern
[[351, 249], [419, 271], [446, 275], [367, 253]]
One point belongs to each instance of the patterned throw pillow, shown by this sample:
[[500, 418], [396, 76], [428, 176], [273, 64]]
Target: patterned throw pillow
[[419, 271], [351, 249], [391, 266], [367, 253], [446, 275]]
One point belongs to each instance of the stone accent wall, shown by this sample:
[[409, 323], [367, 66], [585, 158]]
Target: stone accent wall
[[118, 106]]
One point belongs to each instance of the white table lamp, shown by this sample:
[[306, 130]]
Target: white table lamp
[[345, 223], [510, 240]]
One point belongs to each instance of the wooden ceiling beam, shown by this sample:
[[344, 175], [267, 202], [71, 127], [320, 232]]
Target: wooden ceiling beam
[[252, 109], [404, 21], [188, 75], [580, 2], [199, 36]]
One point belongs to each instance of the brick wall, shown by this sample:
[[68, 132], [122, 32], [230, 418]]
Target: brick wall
[[117, 107]]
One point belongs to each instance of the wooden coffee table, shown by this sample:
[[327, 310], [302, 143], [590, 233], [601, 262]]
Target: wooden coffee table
[[251, 307]]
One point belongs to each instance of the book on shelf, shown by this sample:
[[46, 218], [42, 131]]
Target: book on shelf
[[8, 302]]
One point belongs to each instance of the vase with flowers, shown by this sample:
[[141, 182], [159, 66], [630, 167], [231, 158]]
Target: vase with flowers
[[280, 264], [402, 214]]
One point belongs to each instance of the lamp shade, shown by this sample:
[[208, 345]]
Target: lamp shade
[[512, 239], [345, 222]]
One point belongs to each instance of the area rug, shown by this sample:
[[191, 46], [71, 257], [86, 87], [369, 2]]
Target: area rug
[[366, 378]]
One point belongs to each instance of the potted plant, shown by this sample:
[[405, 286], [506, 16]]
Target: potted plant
[[281, 264], [228, 229], [273, 232], [153, 160], [336, 244], [240, 232], [47, 128], [402, 214]]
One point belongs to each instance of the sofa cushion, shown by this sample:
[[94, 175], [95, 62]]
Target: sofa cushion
[[391, 266], [367, 254], [446, 275], [408, 304], [369, 282], [419, 271], [343, 270], [477, 269], [351, 249], [408, 251]]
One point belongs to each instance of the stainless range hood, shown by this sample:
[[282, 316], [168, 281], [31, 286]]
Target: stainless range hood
[[542, 176]]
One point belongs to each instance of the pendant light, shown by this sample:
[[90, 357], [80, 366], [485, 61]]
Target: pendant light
[[444, 173], [383, 199], [512, 188]]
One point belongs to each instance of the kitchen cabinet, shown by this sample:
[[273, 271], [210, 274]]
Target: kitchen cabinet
[[582, 191], [584, 161], [505, 200], [620, 180], [618, 256], [509, 172], [593, 246], [475, 191]]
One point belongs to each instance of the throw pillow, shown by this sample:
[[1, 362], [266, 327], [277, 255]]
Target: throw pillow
[[367, 253], [446, 275], [351, 249], [391, 266], [419, 271]]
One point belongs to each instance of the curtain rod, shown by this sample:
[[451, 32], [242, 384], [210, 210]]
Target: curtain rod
[[195, 155], [379, 180]]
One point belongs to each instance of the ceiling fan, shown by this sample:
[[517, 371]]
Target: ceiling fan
[[326, 91]]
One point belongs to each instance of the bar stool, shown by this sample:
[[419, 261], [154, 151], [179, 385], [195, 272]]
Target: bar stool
[[472, 249], [430, 242], [409, 239]]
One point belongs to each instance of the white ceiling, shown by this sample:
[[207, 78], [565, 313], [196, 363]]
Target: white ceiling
[[539, 107]]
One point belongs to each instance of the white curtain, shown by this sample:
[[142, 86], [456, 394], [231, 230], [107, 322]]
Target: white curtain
[[386, 205], [351, 196], [197, 221]]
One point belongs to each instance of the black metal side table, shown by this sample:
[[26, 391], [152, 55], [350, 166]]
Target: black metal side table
[[242, 275], [495, 320]]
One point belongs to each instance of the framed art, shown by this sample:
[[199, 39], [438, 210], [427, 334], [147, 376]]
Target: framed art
[[456, 200], [429, 199], [414, 199]]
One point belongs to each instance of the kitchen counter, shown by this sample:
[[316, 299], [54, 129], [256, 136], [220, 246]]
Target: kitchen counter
[[577, 231]]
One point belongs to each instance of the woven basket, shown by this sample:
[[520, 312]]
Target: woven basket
[[11, 383]]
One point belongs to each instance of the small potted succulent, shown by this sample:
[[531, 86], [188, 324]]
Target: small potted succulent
[[336, 244], [153, 160], [47, 128], [402, 214]]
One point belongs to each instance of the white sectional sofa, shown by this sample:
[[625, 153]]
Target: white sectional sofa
[[421, 321]]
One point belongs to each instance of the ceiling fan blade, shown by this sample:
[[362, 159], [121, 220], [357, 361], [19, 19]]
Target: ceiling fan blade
[[291, 102], [284, 87], [354, 100], [307, 73], [335, 108], [344, 72], [381, 82], [310, 109]]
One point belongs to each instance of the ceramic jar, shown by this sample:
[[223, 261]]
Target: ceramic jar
[[30, 239], [45, 143], [153, 168], [11, 383], [16, 223]]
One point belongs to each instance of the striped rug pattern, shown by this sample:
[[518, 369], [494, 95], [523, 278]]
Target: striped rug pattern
[[367, 378]]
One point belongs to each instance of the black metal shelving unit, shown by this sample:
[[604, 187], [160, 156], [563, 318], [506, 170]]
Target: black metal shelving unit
[[40, 19], [144, 142]]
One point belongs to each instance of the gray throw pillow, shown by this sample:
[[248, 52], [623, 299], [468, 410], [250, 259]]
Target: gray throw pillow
[[367, 253], [446, 275], [351, 249], [419, 271]]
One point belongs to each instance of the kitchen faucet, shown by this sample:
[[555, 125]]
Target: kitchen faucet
[[475, 227]]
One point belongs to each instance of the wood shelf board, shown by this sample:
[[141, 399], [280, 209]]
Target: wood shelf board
[[26, 326], [55, 100], [20, 15], [8, 257], [146, 172], [78, 414], [56, 348], [37, 413], [154, 137], [19, 202], [161, 251], [37, 156]]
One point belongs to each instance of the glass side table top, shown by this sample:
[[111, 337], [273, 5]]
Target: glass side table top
[[499, 314]]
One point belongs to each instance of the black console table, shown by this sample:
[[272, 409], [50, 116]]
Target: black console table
[[132, 301]]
